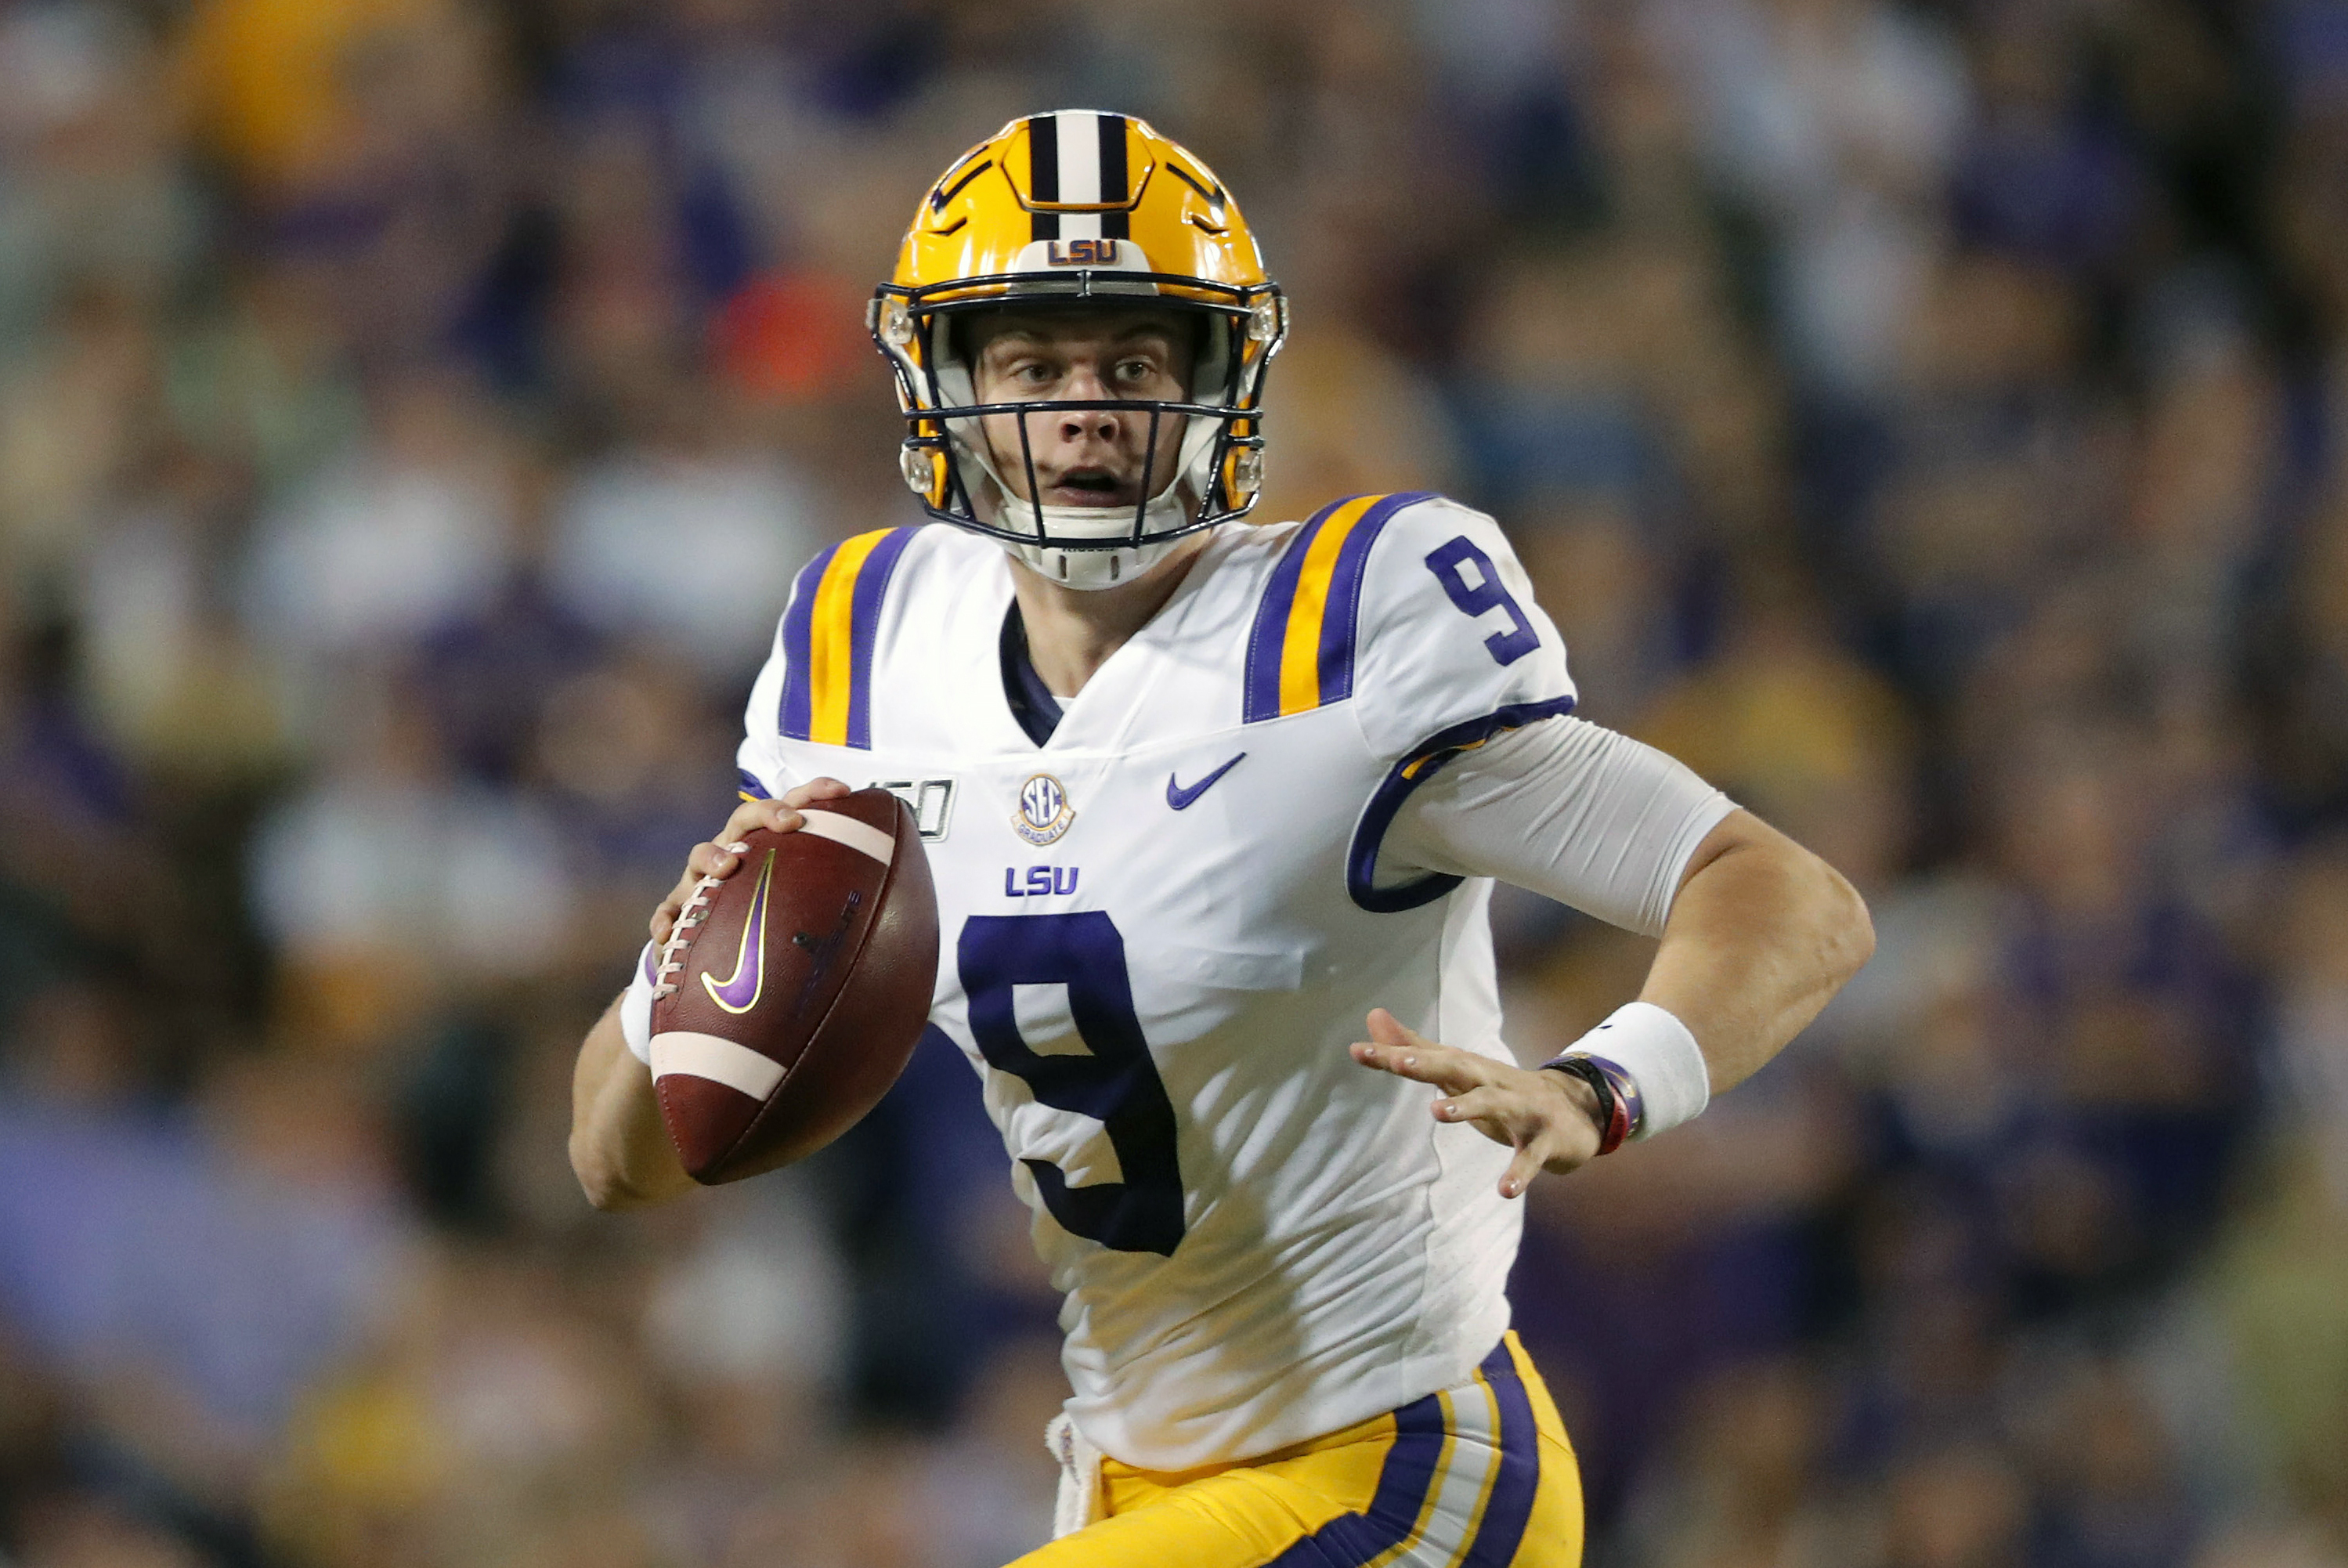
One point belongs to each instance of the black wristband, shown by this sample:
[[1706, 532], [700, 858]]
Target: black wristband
[[1602, 1086], [1591, 1074]]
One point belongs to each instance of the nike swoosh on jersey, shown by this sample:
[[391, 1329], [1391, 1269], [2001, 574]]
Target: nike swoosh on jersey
[[1181, 798], [738, 992]]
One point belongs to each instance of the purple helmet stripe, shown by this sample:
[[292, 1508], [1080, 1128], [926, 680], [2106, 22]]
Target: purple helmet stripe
[[1044, 173], [1116, 185]]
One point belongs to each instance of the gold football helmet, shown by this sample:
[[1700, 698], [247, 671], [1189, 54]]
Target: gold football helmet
[[1066, 210]]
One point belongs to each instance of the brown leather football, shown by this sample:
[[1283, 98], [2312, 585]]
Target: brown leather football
[[799, 987]]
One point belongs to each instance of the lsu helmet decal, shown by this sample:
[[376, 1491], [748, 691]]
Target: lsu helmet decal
[[1063, 211]]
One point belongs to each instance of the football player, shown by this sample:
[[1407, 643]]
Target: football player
[[1205, 803]]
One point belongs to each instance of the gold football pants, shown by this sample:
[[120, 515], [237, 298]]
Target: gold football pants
[[1476, 1476]]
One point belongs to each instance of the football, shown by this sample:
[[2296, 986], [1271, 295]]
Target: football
[[794, 991]]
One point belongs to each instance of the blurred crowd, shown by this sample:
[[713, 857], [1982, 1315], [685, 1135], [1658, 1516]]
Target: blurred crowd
[[1925, 418]]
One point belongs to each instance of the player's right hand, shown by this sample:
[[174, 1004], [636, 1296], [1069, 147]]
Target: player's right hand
[[1547, 1118], [720, 856]]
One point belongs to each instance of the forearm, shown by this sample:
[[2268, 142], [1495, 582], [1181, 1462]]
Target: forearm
[[1761, 936], [1757, 933], [619, 1150]]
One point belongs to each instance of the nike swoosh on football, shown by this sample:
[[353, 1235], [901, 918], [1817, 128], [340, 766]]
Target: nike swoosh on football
[[1181, 798], [738, 992]]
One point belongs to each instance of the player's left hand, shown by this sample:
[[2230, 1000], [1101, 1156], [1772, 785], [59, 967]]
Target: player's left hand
[[1549, 1119]]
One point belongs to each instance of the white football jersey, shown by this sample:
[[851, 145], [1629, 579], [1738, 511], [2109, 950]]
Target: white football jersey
[[1161, 930]]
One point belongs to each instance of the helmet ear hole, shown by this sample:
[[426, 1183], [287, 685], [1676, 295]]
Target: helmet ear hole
[[1243, 475], [924, 468]]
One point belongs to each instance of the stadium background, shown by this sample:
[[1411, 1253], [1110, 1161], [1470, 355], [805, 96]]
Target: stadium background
[[1924, 418]]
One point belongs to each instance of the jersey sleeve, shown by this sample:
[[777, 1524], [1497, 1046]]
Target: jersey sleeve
[[817, 686], [1448, 650], [1450, 646], [1571, 811], [759, 760]]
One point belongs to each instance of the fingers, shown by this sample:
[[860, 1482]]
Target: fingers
[[1485, 1104], [1517, 1121], [714, 860], [1542, 1142], [773, 816], [781, 815], [1535, 1114], [722, 856], [1526, 1165], [1454, 1072], [665, 918], [1406, 1053], [815, 789]]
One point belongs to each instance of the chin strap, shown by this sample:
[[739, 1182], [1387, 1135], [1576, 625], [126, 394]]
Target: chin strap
[[1090, 571], [1087, 571]]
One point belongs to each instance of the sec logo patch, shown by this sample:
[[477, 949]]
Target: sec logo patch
[[1044, 811]]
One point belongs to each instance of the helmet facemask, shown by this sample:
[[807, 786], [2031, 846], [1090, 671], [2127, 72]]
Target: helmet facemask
[[1215, 470]]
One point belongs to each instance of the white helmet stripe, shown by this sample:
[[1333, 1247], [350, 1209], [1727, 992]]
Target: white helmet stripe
[[1080, 165]]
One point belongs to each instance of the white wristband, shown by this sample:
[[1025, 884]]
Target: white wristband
[[1661, 1057], [636, 1008]]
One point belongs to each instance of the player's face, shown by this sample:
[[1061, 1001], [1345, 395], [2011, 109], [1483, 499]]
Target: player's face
[[1094, 457]]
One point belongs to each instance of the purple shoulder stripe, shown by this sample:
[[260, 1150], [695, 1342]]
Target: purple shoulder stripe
[[798, 715], [864, 622], [1260, 697], [1344, 614]]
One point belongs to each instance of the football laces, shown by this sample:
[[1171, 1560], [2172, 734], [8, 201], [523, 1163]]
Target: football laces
[[694, 913]]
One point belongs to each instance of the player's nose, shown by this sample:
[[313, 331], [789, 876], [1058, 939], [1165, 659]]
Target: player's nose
[[1096, 423]]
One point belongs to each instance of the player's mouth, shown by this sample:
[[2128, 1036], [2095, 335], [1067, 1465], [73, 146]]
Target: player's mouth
[[1091, 487]]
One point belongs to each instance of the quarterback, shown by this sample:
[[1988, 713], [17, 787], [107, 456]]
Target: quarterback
[[1214, 811]]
